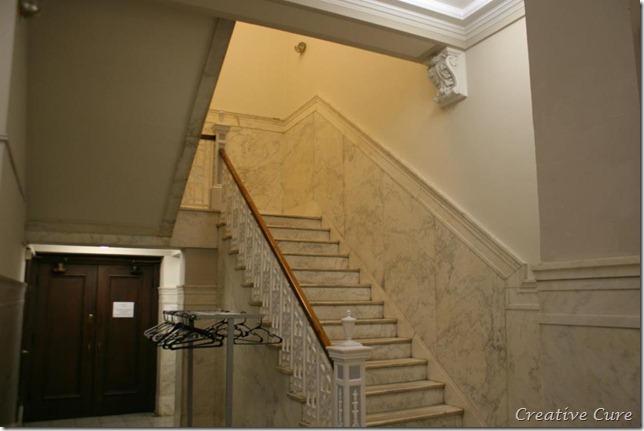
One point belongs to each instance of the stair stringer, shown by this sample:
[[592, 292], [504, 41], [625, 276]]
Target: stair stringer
[[435, 371]]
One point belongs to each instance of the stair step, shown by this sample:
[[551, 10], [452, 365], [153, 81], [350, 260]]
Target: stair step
[[364, 328], [292, 220], [310, 246], [383, 371], [327, 276], [338, 309], [395, 396], [388, 348], [351, 292], [317, 260], [441, 415], [316, 234]]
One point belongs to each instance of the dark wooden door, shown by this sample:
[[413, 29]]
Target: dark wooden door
[[84, 331]]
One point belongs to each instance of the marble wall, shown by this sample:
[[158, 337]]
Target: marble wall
[[502, 340], [257, 156], [574, 344]]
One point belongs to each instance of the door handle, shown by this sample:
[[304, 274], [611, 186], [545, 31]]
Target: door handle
[[24, 352]]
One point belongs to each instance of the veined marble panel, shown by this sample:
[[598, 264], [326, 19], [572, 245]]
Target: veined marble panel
[[328, 170], [297, 176], [585, 369], [195, 229], [409, 260], [524, 383], [197, 192], [471, 336], [364, 209], [257, 157]]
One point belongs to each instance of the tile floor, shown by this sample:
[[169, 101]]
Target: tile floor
[[135, 420]]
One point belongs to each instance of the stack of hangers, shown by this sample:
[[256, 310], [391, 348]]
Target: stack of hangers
[[178, 331]]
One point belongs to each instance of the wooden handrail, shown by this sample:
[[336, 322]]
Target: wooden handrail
[[290, 277]]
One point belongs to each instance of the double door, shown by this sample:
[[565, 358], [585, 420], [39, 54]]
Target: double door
[[84, 353]]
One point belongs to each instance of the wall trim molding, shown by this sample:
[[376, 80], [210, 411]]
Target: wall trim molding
[[4, 142], [612, 267], [93, 239], [486, 246], [592, 320]]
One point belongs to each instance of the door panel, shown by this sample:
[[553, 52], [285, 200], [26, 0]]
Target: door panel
[[86, 360], [62, 373], [124, 385]]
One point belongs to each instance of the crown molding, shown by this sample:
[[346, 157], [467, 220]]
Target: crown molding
[[448, 25]]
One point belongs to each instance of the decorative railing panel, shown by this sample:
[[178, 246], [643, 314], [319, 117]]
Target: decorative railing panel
[[282, 301]]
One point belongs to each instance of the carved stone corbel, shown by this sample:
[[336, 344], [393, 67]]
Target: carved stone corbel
[[447, 72]]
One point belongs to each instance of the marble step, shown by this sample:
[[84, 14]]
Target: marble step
[[395, 396], [327, 276], [383, 371], [314, 234], [317, 260], [364, 328], [292, 220], [349, 292], [438, 416], [387, 348], [338, 309], [301, 246]]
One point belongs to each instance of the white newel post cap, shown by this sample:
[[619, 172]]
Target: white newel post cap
[[349, 350]]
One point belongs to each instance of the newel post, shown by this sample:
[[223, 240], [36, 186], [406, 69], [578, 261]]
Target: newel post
[[349, 402], [215, 188]]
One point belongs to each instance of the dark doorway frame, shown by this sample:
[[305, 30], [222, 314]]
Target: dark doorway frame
[[30, 310]]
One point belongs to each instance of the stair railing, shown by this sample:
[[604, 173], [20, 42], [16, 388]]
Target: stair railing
[[304, 345]]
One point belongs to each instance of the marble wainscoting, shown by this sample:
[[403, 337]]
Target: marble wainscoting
[[206, 366], [12, 301], [590, 339], [524, 383]]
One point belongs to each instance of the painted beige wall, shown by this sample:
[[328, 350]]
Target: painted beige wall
[[253, 78], [12, 203], [479, 153], [12, 140], [587, 127]]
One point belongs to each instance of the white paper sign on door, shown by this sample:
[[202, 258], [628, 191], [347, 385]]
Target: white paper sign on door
[[122, 309]]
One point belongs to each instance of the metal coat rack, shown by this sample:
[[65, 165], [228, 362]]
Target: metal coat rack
[[178, 331]]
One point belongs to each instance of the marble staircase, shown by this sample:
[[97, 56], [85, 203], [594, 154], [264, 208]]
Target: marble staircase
[[398, 392]]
